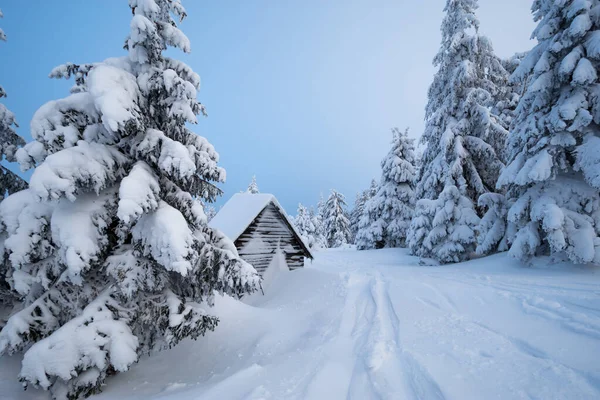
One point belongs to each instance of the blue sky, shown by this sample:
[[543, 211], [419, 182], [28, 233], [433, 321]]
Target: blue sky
[[301, 94]]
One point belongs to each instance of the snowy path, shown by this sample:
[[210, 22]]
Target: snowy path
[[375, 325]]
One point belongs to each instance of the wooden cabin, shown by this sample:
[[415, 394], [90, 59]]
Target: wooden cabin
[[259, 226]]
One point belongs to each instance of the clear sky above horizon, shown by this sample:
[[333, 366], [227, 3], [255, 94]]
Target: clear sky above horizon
[[302, 94]]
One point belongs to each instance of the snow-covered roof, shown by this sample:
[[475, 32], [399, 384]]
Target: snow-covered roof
[[241, 210]]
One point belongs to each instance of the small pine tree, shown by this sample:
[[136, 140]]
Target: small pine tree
[[253, 187], [387, 215], [356, 213], [109, 247], [336, 223], [319, 221], [9, 143], [359, 207], [373, 188], [463, 139], [553, 173], [320, 241], [304, 223], [445, 226]]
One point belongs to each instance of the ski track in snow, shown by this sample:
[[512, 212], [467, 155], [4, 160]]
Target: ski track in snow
[[366, 359], [376, 325]]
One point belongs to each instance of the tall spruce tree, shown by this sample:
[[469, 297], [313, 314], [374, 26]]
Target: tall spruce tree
[[9, 143], [388, 214], [336, 223], [553, 175], [462, 138], [109, 247], [493, 230]]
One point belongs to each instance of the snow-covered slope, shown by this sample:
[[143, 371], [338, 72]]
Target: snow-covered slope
[[375, 324]]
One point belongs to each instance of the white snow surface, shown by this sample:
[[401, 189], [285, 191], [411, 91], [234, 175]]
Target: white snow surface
[[377, 325]]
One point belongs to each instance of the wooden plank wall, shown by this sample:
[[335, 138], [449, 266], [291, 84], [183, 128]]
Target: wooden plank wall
[[259, 242]]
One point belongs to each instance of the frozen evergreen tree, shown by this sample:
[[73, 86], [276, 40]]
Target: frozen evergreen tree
[[319, 221], [304, 223], [508, 98], [445, 226], [336, 223], [371, 227], [359, 207], [109, 247], [319, 236], [387, 215], [373, 188], [463, 139], [9, 143], [493, 230], [553, 174], [321, 207], [356, 213], [253, 187]]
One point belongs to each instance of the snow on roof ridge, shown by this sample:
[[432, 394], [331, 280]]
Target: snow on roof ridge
[[241, 210]]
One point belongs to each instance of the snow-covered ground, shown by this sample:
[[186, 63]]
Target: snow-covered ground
[[376, 325]]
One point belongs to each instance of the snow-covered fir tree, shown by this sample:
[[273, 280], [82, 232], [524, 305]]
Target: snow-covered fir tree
[[553, 174], [304, 223], [9, 143], [359, 207], [356, 213], [508, 98], [319, 236], [493, 229], [109, 248], [463, 139], [372, 191], [336, 223], [319, 221], [387, 215], [253, 187]]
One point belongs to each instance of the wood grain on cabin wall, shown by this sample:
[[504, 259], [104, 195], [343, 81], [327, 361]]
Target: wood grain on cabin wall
[[271, 228]]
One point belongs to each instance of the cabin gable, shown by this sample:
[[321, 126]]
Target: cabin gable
[[268, 231]]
